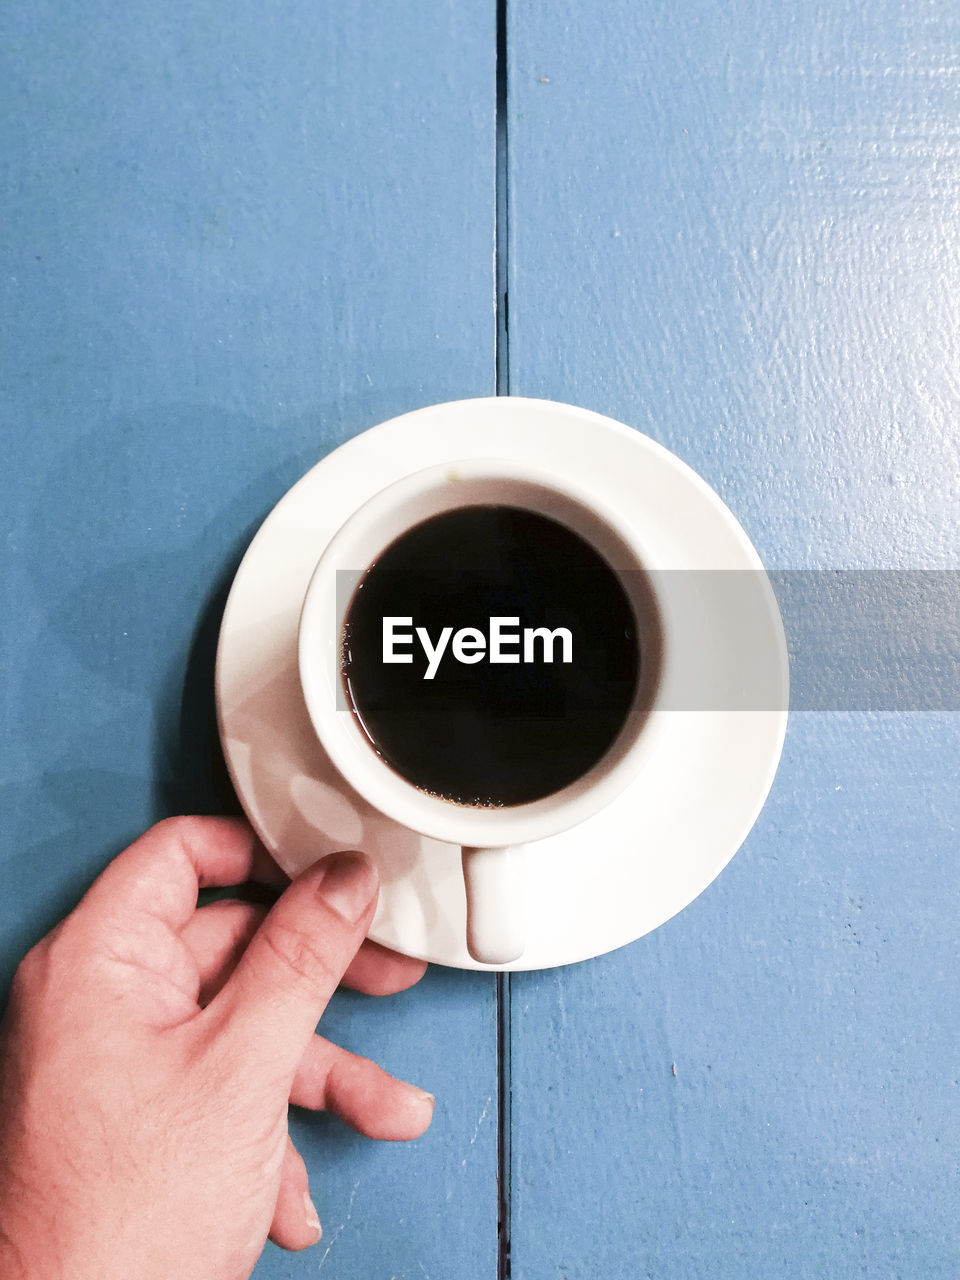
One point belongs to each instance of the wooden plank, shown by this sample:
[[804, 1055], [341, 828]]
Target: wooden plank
[[736, 228], [231, 240]]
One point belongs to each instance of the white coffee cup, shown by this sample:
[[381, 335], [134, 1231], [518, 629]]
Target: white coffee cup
[[486, 835]]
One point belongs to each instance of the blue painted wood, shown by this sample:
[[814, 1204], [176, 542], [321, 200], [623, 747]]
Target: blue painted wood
[[736, 228], [231, 239]]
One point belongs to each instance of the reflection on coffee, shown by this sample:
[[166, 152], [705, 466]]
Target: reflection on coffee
[[491, 655]]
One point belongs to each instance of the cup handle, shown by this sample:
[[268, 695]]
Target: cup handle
[[494, 913]]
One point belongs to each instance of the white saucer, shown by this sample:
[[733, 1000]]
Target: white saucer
[[594, 888]]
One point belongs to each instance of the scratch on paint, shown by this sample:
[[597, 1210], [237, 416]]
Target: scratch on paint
[[476, 1131], [562, 1003], [336, 1235]]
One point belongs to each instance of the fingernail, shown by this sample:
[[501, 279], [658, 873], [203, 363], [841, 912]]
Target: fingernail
[[313, 1221], [347, 884], [427, 1097]]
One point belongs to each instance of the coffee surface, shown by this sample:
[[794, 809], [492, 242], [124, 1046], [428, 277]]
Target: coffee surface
[[482, 717]]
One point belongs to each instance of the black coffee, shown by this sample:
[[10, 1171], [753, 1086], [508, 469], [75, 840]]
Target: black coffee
[[446, 646]]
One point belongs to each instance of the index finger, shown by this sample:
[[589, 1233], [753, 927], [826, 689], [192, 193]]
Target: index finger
[[160, 873]]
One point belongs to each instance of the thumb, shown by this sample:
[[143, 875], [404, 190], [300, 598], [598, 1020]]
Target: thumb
[[273, 1000]]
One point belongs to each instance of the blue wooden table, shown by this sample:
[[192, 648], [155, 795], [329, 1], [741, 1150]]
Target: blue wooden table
[[231, 239]]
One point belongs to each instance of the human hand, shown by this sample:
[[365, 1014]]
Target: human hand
[[150, 1049]]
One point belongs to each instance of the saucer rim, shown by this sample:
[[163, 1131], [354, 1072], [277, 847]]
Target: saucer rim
[[384, 438]]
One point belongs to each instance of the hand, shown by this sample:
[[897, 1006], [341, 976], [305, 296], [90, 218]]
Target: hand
[[149, 1052]]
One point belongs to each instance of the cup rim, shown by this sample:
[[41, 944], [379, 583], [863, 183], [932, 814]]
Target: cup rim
[[350, 750]]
